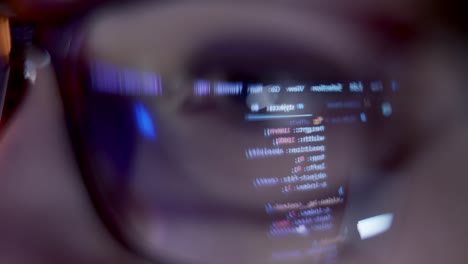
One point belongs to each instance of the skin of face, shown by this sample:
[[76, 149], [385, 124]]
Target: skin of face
[[46, 214]]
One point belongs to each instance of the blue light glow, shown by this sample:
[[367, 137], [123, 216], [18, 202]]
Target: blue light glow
[[144, 122], [363, 117], [395, 86], [387, 109], [259, 117]]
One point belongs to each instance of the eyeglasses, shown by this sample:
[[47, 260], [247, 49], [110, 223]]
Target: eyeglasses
[[247, 134]]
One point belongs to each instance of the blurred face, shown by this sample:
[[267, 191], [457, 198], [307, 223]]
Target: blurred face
[[191, 178]]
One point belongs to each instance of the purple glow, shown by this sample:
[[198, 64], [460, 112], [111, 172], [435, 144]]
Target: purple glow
[[202, 88], [107, 78]]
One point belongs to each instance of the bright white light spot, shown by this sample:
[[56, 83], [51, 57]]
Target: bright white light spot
[[374, 226], [301, 229]]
